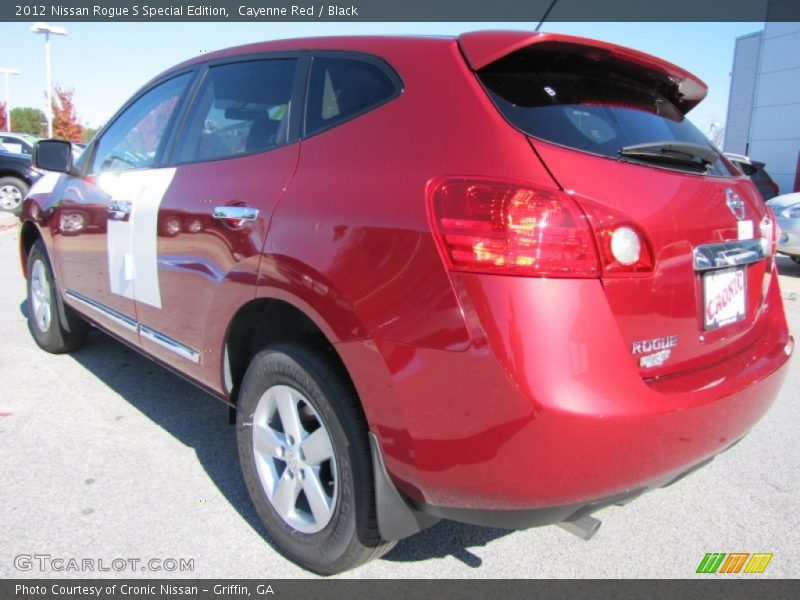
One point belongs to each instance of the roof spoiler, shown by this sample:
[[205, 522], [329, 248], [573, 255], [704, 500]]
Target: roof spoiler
[[481, 48]]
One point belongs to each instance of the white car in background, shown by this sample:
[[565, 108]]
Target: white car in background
[[17, 143], [22, 143], [787, 212]]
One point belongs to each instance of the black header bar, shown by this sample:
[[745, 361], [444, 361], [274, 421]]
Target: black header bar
[[530, 11]]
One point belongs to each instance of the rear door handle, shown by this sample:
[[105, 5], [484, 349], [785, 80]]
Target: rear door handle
[[119, 210], [236, 213]]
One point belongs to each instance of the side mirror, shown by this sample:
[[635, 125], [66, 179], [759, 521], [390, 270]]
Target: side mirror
[[53, 155]]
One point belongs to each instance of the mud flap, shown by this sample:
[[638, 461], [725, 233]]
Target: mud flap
[[397, 519]]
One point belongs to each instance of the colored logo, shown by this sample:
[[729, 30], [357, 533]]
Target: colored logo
[[734, 562]]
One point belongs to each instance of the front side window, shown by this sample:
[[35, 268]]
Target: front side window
[[342, 88], [134, 138], [240, 109]]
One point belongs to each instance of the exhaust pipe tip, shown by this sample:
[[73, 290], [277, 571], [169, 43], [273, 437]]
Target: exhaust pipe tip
[[584, 528]]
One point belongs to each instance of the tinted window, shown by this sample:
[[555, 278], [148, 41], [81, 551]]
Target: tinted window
[[579, 102], [341, 88], [15, 145], [241, 108], [134, 138]]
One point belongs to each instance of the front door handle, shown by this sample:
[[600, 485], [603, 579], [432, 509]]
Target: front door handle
[[235, 213], [119, 210]]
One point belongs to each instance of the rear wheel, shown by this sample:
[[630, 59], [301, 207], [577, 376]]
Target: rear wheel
[[51, 332], [12, 193], [306, 460]]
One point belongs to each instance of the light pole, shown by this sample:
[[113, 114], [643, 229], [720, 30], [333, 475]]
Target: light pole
[[47, 30], [7, 72]]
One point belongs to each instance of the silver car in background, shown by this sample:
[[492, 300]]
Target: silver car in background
[[787, 212]]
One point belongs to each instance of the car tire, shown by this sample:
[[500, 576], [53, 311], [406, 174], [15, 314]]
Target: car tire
[[12, 193], [340, 535], [796, 259], [51, 332]]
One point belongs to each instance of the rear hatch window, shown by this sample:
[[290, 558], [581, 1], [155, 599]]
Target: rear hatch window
[[573, 97]]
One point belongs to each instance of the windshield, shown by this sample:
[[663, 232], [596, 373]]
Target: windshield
[[581, 103]]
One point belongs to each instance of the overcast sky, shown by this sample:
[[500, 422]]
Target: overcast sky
[[106, 62]]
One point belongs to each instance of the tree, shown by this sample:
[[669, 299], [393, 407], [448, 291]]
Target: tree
[[89, 132], [65, 119], [716, 133], [28, 120], [148, 132], [3, 123], [718, 137]]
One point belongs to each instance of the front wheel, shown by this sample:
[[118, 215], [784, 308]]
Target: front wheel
[[306, 460], [51, 332]]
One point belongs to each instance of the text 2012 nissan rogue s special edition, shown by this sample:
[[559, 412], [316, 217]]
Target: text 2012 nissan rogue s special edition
[[499, 279]]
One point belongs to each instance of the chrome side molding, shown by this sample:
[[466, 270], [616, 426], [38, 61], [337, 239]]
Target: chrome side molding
[[170, 344], [131, 325], [728, 254], [109, 313]]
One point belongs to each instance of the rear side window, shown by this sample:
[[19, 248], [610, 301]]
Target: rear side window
[[579, 102], [241, 108], [342, 88]]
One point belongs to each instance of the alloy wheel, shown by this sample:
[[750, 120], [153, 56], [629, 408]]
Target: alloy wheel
[[295, 459], [40, 296]]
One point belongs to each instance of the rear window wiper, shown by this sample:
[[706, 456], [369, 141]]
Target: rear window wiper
[[677, 153]]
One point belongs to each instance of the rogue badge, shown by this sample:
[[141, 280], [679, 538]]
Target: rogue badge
[[656, 351]]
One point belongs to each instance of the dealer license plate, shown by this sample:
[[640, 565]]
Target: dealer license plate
[[724, 294]]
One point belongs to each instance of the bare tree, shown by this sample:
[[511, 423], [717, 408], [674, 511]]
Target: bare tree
[[716, 133]]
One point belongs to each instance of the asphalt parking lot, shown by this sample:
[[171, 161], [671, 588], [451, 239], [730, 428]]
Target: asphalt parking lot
[[106, 455]]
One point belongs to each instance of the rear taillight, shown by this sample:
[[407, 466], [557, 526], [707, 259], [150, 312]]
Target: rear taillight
[[774, 187], [649, 108], [510, 228], [770, 232], [624, 248]]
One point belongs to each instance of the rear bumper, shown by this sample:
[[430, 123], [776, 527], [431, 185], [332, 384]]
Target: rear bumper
[[538, 517], [545, 408]]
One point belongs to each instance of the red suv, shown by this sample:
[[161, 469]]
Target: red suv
[[499, 279]]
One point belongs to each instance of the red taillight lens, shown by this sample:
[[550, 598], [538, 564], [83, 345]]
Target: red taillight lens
[[770, 232], [775, 188], [510, 228]]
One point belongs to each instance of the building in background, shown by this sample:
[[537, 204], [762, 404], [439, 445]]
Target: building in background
[[764, 104]]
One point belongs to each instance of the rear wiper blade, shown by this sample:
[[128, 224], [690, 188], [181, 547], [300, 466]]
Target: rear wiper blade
[[684, 153]]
